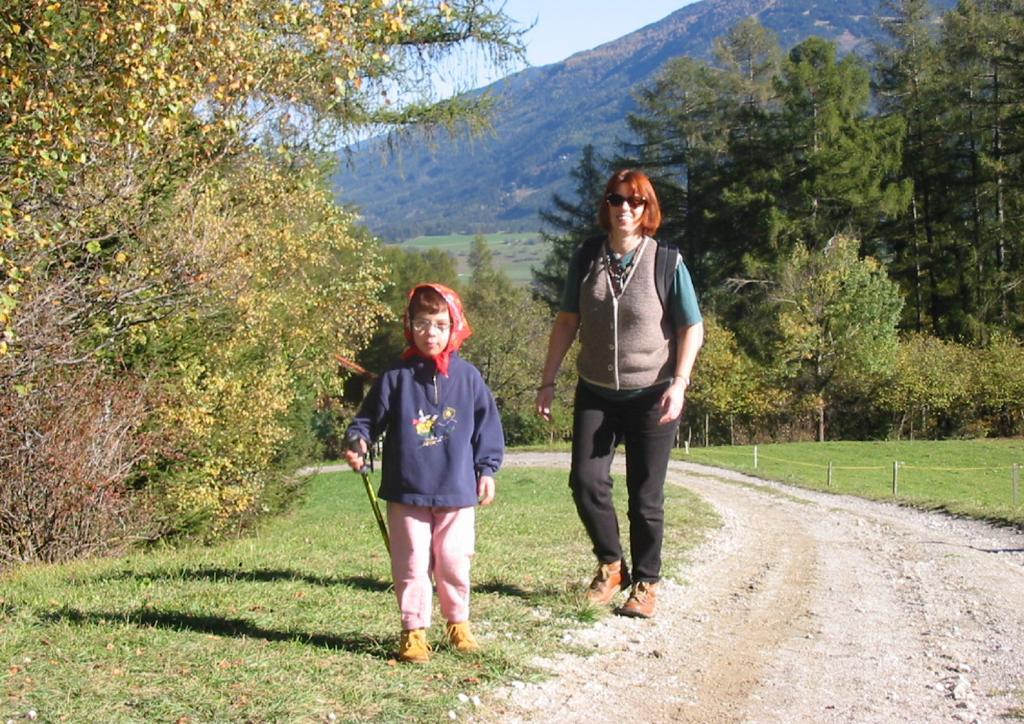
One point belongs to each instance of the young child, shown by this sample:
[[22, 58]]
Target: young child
[[443, 446]]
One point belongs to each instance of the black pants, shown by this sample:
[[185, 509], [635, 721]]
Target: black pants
[[599, 425]]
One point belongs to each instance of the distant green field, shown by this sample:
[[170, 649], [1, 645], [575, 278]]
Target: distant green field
[[514, 253], [966, 477]]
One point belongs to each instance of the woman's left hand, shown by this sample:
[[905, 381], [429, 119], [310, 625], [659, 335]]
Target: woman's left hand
[[672, 402]]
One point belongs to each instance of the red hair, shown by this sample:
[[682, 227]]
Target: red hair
[[639, 185]]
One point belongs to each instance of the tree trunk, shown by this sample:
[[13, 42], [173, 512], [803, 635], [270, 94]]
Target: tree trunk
[[997, 149]]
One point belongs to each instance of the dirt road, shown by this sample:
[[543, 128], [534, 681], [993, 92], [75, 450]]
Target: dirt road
[[805, 607]]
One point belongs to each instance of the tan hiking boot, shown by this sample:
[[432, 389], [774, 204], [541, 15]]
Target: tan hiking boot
[[461, 638], [640, 603], [413, 647], [609, 580]]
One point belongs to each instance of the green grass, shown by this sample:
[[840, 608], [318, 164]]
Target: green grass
[[514, 253], [299, 621], [964, 477]]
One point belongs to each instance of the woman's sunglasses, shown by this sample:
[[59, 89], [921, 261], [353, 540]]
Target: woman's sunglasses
[[635, 202]]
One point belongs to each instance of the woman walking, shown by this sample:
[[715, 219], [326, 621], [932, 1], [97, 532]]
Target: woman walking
[[639, 338]]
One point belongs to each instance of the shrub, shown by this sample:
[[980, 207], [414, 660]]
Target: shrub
[[998, 385], [525, 428], [68, 450]]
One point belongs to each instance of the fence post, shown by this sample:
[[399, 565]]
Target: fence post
[[828, 483], [755, 457], [1016, 484], [895, 476], [686, 444]]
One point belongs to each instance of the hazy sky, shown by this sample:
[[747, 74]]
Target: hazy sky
[[560, 28], [565, 27]]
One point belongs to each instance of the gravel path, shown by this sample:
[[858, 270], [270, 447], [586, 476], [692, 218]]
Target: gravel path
[[804, 607]]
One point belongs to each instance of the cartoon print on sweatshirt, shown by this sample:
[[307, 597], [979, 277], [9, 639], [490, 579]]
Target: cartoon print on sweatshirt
[[433, 429]]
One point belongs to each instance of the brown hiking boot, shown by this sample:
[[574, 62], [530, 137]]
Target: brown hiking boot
[[461, 638], [609, 580], [413, 648], [640, 603]]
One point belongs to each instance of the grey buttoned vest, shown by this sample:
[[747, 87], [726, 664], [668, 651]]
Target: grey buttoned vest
[[626, 343]]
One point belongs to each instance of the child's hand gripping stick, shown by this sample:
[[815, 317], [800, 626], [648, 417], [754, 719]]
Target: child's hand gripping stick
[[355, 456]]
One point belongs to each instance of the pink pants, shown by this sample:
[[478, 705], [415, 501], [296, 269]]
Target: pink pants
[[431, 540]]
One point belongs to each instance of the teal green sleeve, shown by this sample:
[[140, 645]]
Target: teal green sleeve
[[683, 299]]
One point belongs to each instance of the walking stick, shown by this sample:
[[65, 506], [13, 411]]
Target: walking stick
[[374, 503], [376, 509]]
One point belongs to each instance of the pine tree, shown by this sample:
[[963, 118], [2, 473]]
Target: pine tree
[[751, 56], [702, 130], [571, 222], [835, 165], [681, 142], [980, 44], [908, 87]]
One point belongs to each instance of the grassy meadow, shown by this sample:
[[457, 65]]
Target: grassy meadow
[[514, 252], [298, 622], [963, 477]]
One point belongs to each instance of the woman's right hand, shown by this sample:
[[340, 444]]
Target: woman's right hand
[[355, 456], [545, 397], [563, 333]]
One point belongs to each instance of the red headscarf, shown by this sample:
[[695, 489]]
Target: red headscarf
[[460, 331]]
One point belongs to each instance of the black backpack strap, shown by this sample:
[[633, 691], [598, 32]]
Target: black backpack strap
[[665, 270], [665, 260], [589, 251]]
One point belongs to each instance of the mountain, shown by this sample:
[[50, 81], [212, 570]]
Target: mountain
[[545, 115]]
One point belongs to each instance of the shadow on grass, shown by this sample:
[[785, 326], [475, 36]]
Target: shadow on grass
[[220, 626], [262, 575], [502, 589], [366, 583], [508, 589]]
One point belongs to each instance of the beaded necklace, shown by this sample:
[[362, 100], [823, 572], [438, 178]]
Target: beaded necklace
[[618, 273]]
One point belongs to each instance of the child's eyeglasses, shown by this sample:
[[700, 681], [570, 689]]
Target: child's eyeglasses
[[635, 202], [425, 325]]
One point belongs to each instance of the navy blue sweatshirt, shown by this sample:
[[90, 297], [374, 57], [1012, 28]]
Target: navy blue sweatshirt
[[442, 432]]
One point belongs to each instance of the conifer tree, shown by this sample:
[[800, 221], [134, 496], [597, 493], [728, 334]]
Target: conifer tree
[[751, 56], [981, 45], [571, 222], [908, 86], [834, 163], [681, 143]]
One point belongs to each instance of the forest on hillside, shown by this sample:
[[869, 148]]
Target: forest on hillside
[[855, 229]]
